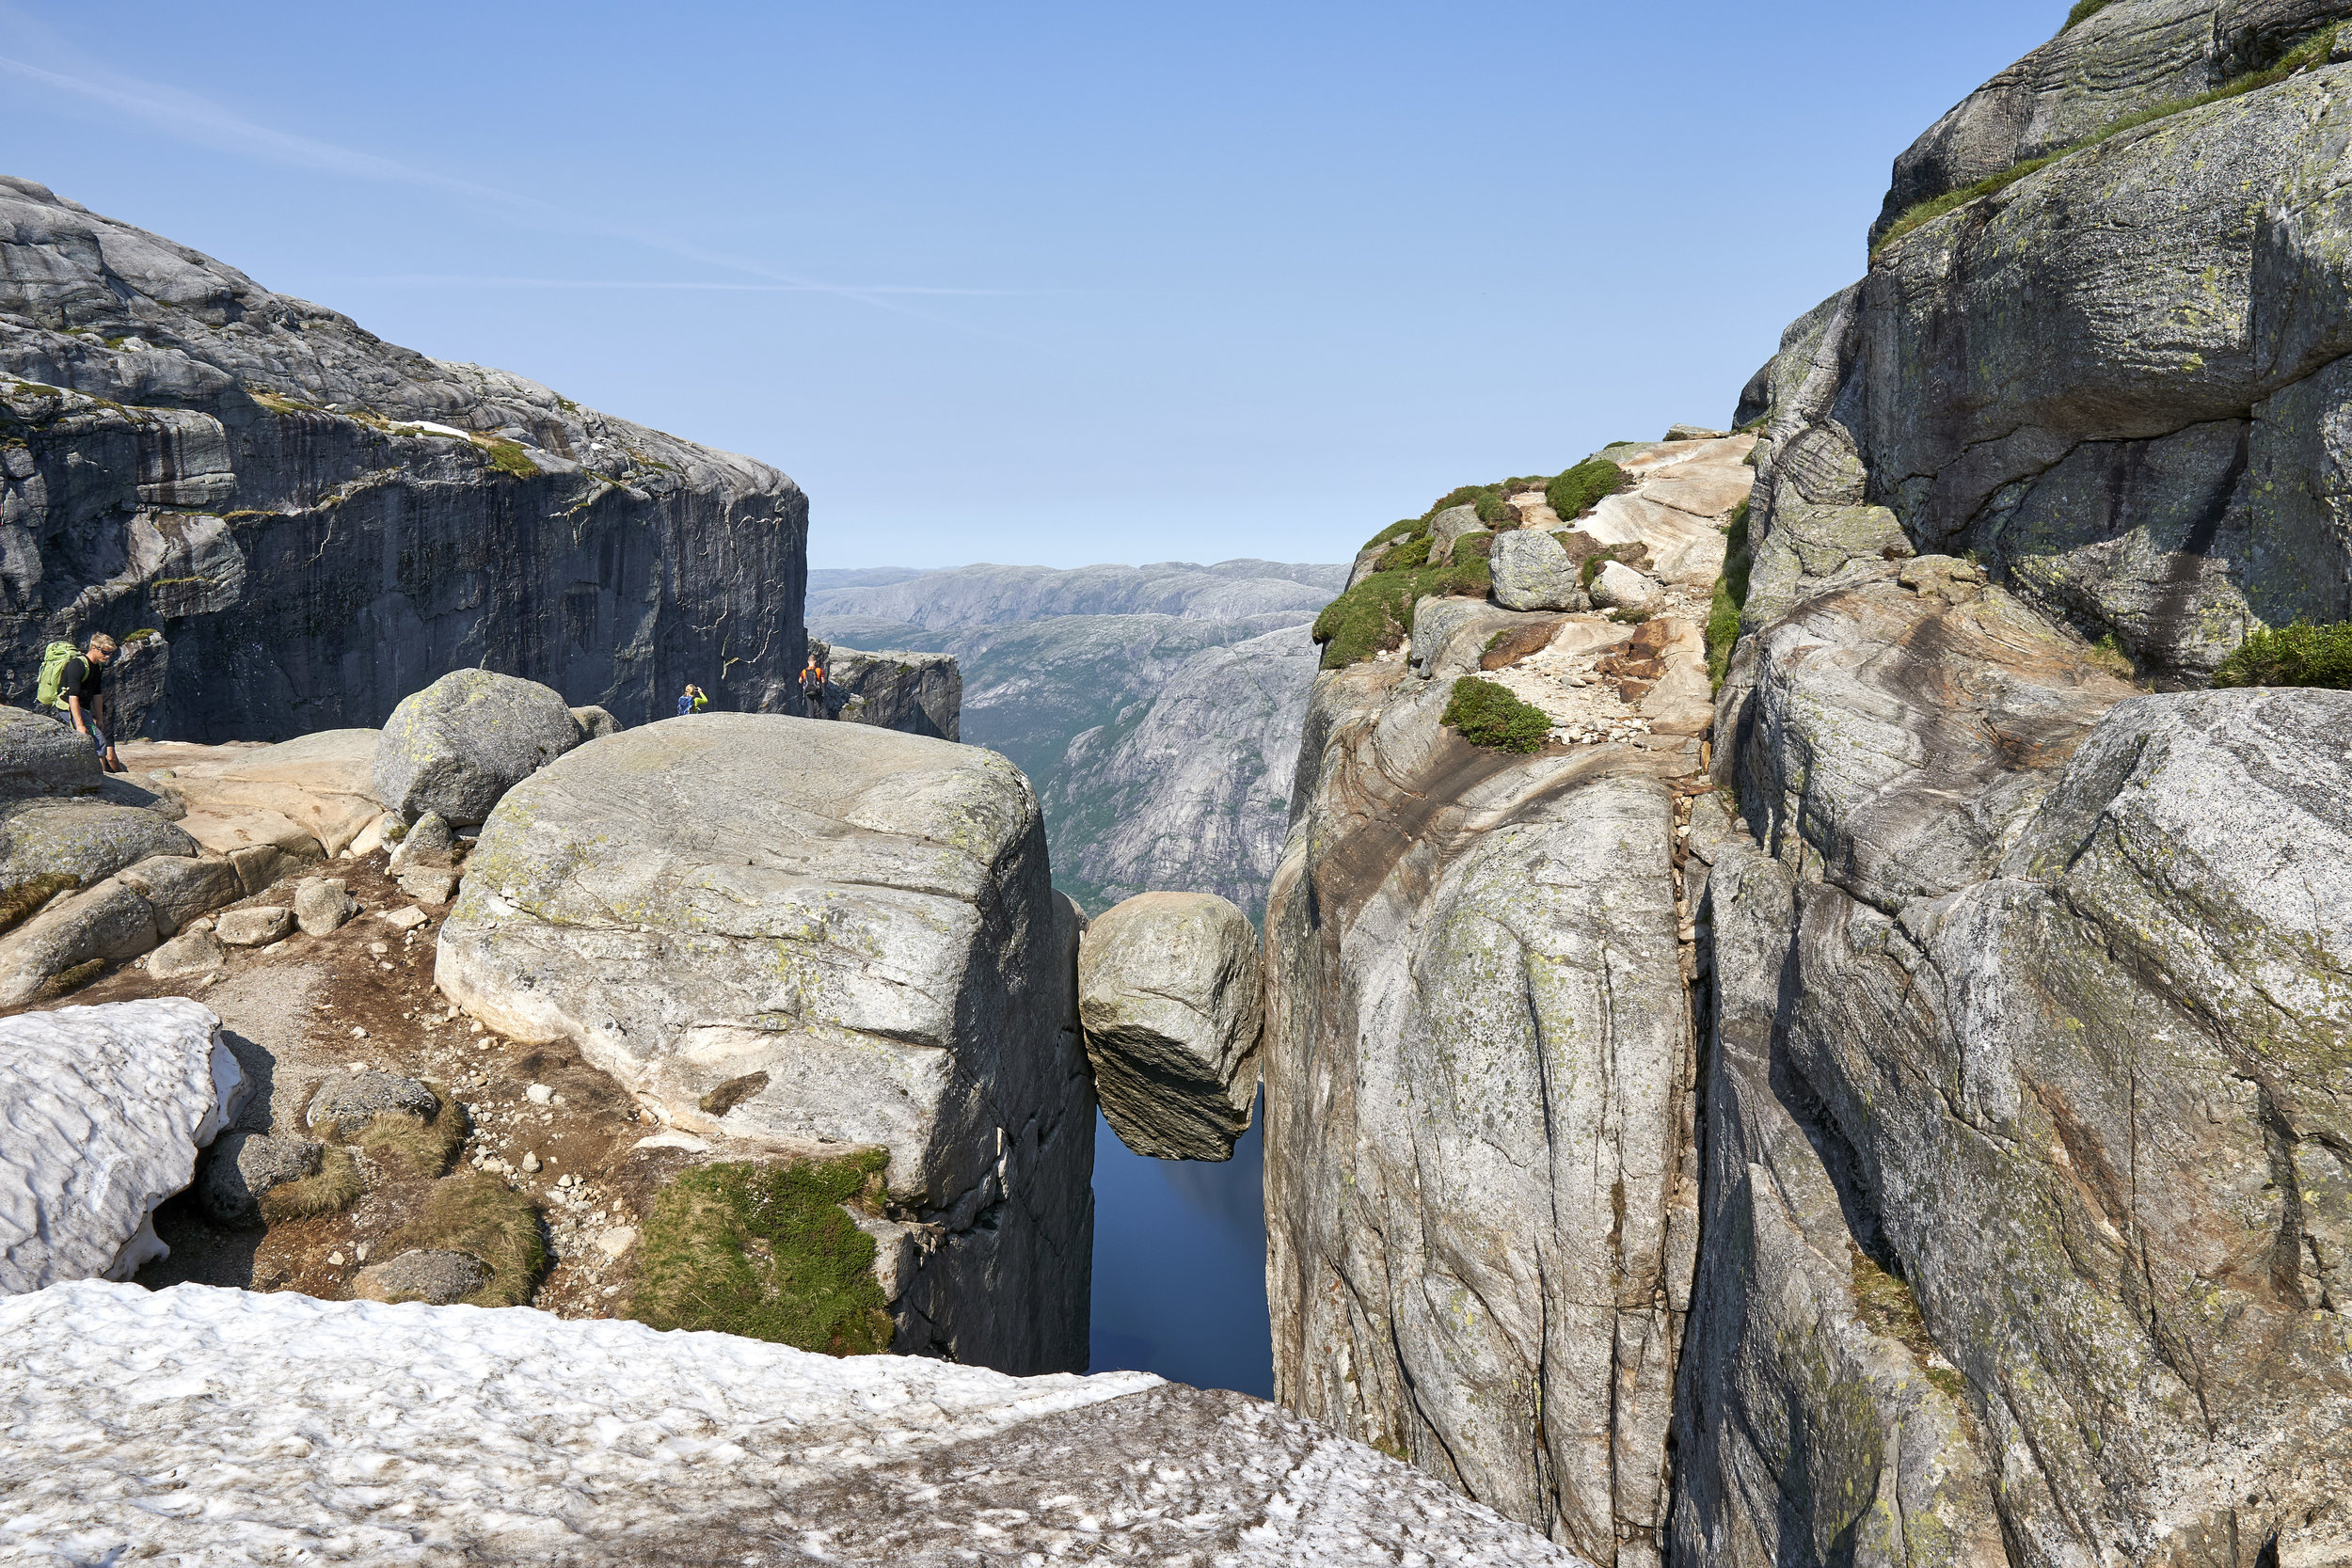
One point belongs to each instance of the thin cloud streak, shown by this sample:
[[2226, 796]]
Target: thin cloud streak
[[188, 118], [438, 280]]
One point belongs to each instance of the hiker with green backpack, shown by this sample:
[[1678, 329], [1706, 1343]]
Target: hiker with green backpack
[[69, 681]]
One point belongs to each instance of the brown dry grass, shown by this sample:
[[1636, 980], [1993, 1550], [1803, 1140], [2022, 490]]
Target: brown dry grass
[[481, 1217]]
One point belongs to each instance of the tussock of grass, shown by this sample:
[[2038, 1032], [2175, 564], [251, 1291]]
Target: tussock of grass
[[2299, 655], [479, 1215], [1584, 486], [329, 1190], [1493, 508], [18, 901], [416, 1147], [1488, 715], [2108, 655], [765, 1251], [508, 457], [2312, 50], [1731, 597]]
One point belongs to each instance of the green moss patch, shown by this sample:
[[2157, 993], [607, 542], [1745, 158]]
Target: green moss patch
[[2311, 50], [508, 457], [1584, 486], [1731, 597], [1488, 715], [2299, 655], [2084, 10], [766, 1251], [479, 1215], [1378, 613]]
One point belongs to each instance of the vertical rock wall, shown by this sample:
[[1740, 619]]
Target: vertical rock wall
[[1479, 1189], [318, 523]]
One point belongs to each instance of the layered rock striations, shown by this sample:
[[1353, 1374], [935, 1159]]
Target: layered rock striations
[[1481, 1194], [2023, 1155], [319, 523], [2118, 380]]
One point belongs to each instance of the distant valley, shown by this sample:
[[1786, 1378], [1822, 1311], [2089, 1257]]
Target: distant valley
[[1156, 709]]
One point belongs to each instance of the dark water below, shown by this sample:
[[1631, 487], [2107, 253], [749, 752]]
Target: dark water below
[[1180, 1266]]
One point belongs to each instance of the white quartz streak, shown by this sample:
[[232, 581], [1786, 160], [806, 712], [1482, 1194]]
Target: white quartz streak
[[102, 1111]]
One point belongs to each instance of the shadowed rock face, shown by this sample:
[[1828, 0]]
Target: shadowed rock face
[[796, 935], [182, 449], [2132, 55], [2121, 382]]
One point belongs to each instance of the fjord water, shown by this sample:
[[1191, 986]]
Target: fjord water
[[1180, 1266]]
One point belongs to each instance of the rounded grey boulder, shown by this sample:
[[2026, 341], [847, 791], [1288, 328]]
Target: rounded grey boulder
[[88, 840], [349, 1101], [1173, 1002], [244, 1166], [437, 1278], [596, 722], [41, 756], [322, 905], [464, 741], [1533, 572]]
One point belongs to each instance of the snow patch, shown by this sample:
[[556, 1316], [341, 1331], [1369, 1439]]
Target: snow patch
[[102, 1111]]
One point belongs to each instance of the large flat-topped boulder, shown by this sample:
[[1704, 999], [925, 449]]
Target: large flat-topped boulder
[[464, 741], [1173, 1001], [786, 932], [105, 1110], [125, 1406]]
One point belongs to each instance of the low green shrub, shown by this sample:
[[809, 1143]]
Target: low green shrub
[[1493, 508], [1378, 613], [1409, 553], [1398, 531], [2311, 50], [1731, 597], [765, 1251], [1584, 486], [1488, 715], [2084, 10], [2299, 655]]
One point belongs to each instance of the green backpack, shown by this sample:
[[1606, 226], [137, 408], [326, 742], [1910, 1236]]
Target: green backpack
[[52, 668]]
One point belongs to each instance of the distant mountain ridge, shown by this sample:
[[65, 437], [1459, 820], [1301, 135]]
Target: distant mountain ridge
[[1155, 708], [992, 595]]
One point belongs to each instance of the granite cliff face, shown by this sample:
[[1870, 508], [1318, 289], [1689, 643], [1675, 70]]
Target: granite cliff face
[[1480, 1180], [2010, 1170], [318, 523], [1156, 709]]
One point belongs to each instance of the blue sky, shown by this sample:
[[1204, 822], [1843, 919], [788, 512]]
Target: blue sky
[[1038, 282]]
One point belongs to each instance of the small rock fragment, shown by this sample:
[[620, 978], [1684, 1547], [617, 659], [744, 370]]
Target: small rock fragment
[[432, 1276], [405, 920], [255, 928], [539, 1094], [350, 1102], [530, 1160], [322, 905], [244, 1166], [192, 953]]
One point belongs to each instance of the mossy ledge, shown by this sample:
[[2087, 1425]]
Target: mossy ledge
[[766, 1251]]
